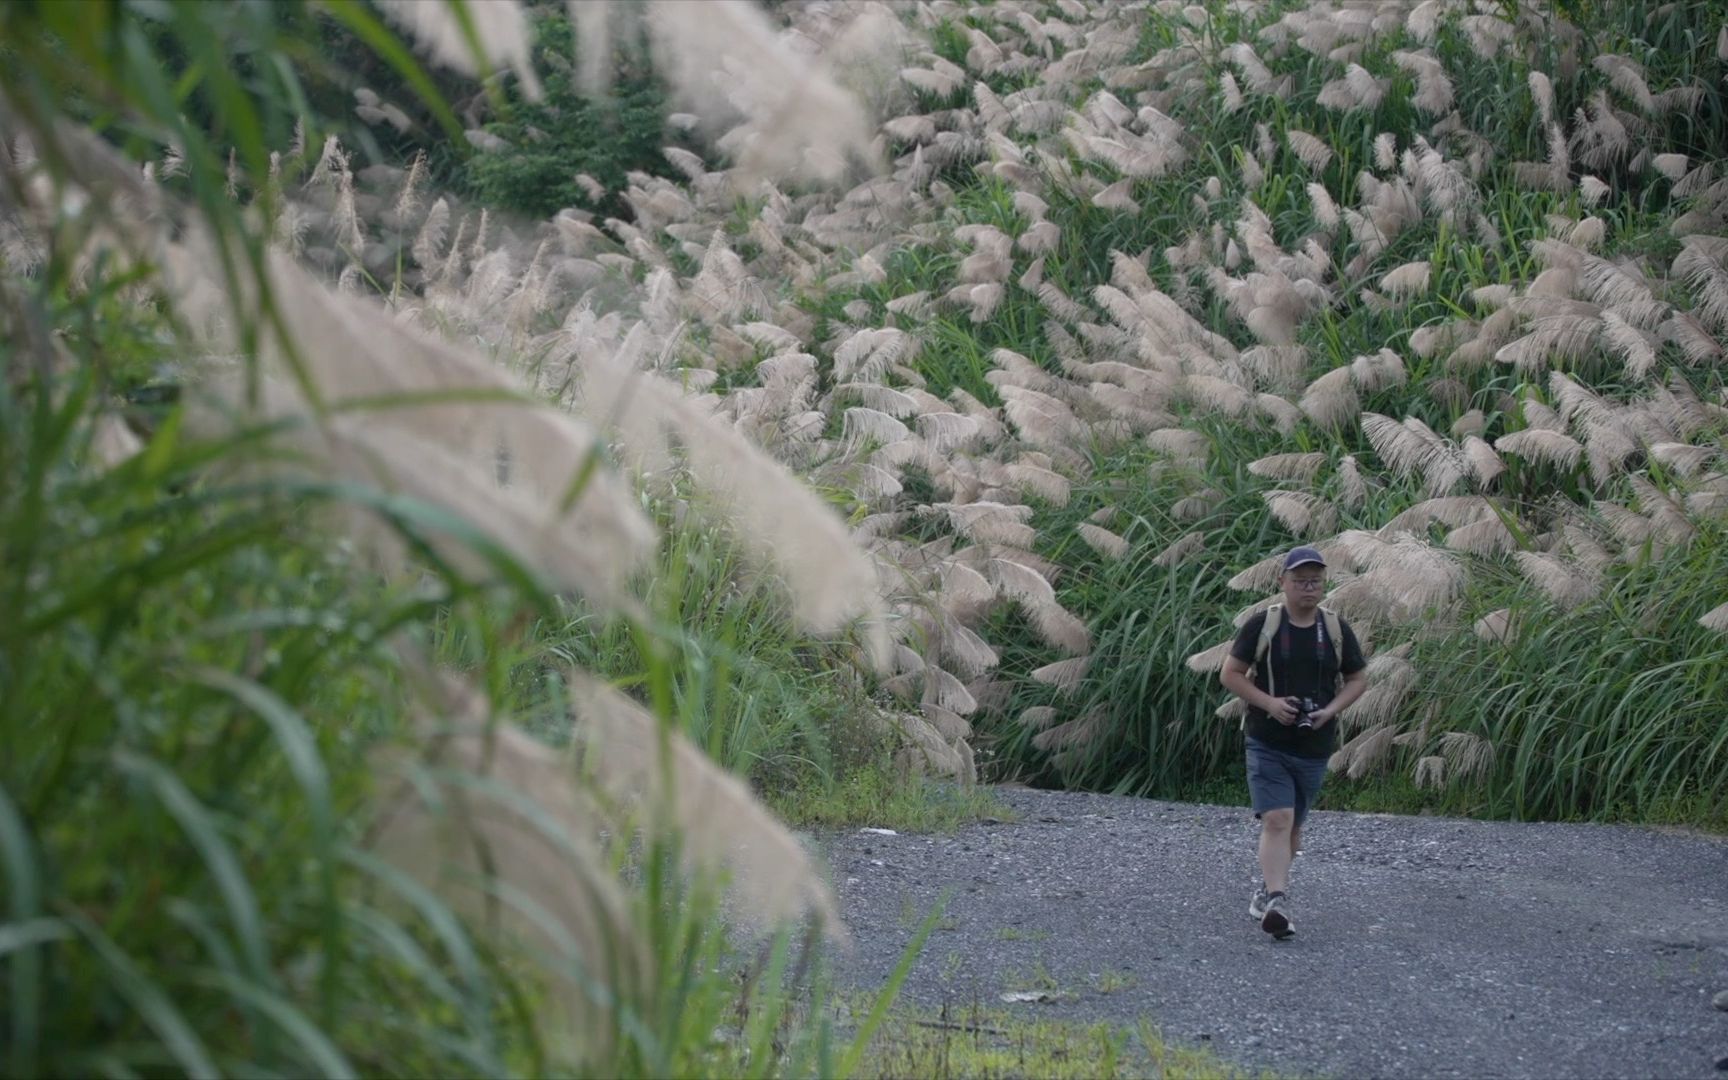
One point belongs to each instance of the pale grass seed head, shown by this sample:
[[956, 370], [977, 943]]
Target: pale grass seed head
[[1330, 401], [481, 801], [1715, 619]]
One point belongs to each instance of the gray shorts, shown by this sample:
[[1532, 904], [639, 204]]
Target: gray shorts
[[1280, 781]]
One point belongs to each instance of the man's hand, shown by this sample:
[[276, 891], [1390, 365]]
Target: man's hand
[[1322, 717], [1281, 710]]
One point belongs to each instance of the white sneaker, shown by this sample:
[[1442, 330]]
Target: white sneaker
[[1257, 904], [1275, 917]]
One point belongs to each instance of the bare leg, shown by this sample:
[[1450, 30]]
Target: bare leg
[[1277, 830]]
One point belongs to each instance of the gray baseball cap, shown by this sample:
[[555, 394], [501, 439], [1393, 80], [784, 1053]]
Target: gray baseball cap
[[1303, 556]]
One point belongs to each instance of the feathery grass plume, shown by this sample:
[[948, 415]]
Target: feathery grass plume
[[1362, 754], [1286, 418], [1358, 89], [1578, 402], [1591, 190], [1405, 449], [1410, 279], [928, 751], [1390, 679], [1710, 500], [1695, 342], [1330, 401], [1281, 366], [1486, 537], [1182, 444], [1485, 464], [965, 593], [1635, 348], [1667, 515], [1022, 583], [1178, 550], [726, 63], [1229, 93], [1352, 488], [1385, 151], [1543, 447], [866, 355], [1024, 476], [1626, 76], [498, 822], [1542, 93], [1059, 304], [1065, 675], [1614, 286], [1311, 151], [1433, 88], [943, 689], [1630, 528], [1673, 166], [1604, 139], [1324, 209], [1430, 773], [1255, 74], [1067, 738], [946, 432], [1497, 626], [1473, 422], [1039, 418], [988, 522], [1452, 510], [1410, 577], [502, 36], [1703, 265], [1037, 717], [1060, 628], [1117, 196], [779, 522], [984, 300], [634, 757], [1565, 337], [1102, 540], [1684, 458], [1376, 371], [1567, 584], [1469, 757], [1210, 661], [1303, 513], [960, 649], [1715, 619], [431, 235], [1261, 576], [1607, 449], [1297, 467], [352, 350], [1218, 395]]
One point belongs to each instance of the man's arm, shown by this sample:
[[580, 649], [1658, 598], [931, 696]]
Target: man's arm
[[1234, 676], [1355, 684]]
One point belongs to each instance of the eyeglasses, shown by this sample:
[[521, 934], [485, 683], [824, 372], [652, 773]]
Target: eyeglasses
[[1308, 583]]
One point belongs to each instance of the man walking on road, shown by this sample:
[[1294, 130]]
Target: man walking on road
[[1297, 652]]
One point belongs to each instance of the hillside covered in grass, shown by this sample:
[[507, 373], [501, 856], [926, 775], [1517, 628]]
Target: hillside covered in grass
[[1147, 293], [412, 610], [1143, 294]]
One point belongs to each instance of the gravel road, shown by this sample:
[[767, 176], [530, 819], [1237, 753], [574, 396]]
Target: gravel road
[[1425, 946]]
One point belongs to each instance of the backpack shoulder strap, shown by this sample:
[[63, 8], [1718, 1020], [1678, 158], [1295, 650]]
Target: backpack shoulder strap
[[1268, 630], [1335, 631]]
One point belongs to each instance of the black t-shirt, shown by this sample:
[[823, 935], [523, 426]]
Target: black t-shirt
[[1304, 666]]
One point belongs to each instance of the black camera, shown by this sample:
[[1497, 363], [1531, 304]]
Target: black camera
[[1306, 707]]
